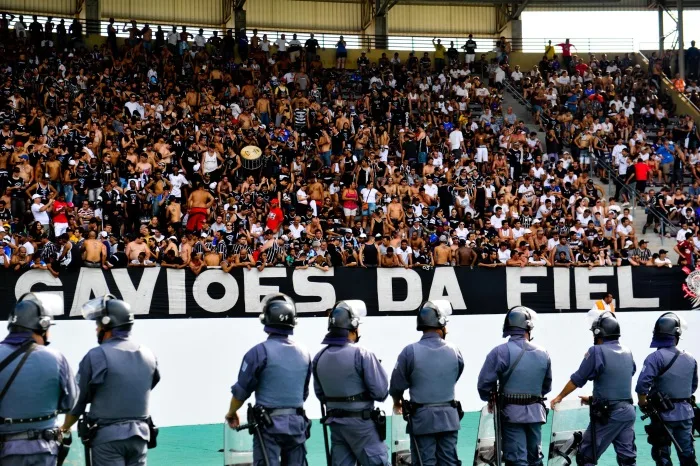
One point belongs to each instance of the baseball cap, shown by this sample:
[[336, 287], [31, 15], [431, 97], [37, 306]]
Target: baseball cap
[[36, 196], [662, 251]]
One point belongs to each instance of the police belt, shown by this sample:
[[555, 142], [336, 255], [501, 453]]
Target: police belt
[[365, 414], [364, 396], [285, 411], [9, 420], [681, 400], [451, 404], [47, 434], [521, 399]]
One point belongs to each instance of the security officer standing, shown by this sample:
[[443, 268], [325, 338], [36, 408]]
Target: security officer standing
[[429, 370], [523, 372], [611, 367], [37, 385], [348, 379], [116, 378], [278, 370], [670, 374]]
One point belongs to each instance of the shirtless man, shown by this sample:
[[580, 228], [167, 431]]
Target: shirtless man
[[403, 188], [390, 259], [186, 249], [391, 188], [315, 190], [443, 253], [94, 252], [262, 106], [417, 243], [136, 247], [464, 255], [212, 258], [395, 211], [198, 204], [173, 213], [53, 168]]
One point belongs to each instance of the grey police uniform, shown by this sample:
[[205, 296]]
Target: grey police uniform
[[429, 369], [678, 382], [279, 372], [43, 387], [116, 378], [528, 370], [611, 367], [345, 370]]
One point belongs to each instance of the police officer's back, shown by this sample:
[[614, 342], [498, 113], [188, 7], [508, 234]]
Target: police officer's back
[[665, 386], [523, 373], [429, 370], [278, 370], [116, 378], [611, 367], [42, 387], [349, 379]]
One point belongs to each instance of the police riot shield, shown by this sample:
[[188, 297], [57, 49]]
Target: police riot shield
[[569, 421], [400, 442], [485, 453], [238, 447]]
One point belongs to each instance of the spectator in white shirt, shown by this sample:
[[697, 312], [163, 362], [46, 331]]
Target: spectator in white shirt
[[40, 211], [405, 253], [281, 44], [662, 260]]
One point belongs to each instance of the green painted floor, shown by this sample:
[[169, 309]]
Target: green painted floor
[[199, 445]]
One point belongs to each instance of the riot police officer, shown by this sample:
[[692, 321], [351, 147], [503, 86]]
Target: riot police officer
[[429, 370], [348, 379], [278, 370], [669, 378], [522, 371], [611, 367], [37, 384], [116, 378]]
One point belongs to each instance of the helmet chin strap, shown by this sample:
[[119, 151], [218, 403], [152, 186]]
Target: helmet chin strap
[[100, 336], [45, 338]]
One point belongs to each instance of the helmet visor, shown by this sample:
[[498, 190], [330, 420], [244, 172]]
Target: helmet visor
[[94, 308], [444, 306], [358, 307], [51, 303]]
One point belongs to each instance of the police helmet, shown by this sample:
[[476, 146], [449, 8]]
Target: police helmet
[[433, 314], [606, 325], [669, 324], [108, 311], [279, 310], [519, 318], [35, 311], [346, 314]]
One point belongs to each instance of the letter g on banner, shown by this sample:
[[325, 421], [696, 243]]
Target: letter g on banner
[[200, 291]]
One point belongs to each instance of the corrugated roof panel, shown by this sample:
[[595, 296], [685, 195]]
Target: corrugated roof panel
[[448, 20], [540, 5], [54, 7], [294, 15], [200, 12]]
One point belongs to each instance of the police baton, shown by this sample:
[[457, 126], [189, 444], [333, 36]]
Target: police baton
[[594, 446], [325, 433], [253, 426], [654, 414], [497, 447], [406, 412]]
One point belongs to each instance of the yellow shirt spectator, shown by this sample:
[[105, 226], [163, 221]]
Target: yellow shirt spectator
[[439, 50]]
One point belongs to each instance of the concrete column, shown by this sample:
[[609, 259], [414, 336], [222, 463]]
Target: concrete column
[[92, 17], [681, 45], [661, 31], [239, 20], [381, 32], [516, 34]]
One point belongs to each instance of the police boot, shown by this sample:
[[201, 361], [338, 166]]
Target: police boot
[[624, 461]]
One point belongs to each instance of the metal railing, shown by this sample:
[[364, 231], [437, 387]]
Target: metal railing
[[669, 83], [357, 41]]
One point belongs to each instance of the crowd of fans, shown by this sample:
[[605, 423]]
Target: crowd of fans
[[130, 155]]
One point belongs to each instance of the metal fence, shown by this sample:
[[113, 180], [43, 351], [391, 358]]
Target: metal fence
[[355, 41]]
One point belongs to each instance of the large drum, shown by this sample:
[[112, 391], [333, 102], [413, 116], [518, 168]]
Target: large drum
[[251, 157]]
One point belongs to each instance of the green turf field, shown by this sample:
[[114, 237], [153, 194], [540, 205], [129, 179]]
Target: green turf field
[[200, 445]]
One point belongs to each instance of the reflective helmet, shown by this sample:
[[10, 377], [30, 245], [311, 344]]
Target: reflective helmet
[[108, 311], [279, 310], [519, 318], [35, 311], [606, 325], [669, 324], [433, 314], [346, 314]]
